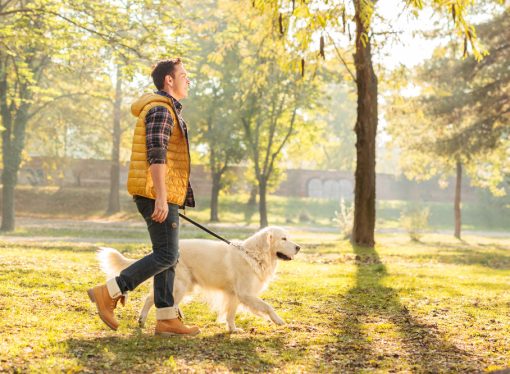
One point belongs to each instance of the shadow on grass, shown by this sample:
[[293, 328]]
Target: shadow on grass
[[468, 254], [405, 343], [147, 353]]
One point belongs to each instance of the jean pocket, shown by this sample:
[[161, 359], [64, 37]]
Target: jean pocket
[[145, 207], [173, 216]]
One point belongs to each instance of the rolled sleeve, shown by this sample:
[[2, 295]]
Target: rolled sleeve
[[158, 127]]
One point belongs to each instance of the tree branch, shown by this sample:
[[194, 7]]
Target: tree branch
[[64, 96], [273, 157], [4, 5], [247, 129], [271, 133], [274, 120], [109, 39], [341, 58]]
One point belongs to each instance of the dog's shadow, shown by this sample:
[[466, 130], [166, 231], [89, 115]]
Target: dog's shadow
[[145, 352]]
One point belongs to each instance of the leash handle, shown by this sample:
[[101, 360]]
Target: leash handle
[[204, 228]]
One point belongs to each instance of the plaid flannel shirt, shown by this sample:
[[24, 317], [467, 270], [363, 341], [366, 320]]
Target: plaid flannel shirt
[[159, 126]]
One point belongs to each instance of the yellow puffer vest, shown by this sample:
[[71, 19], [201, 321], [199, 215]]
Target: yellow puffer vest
[[178, 160]]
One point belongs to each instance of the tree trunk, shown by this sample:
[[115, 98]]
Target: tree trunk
[[262, 203], [13, 142], [366, 129], [215, 191], [114, 200], [12, 148], [252, 201], [457, 200], [8, 217]]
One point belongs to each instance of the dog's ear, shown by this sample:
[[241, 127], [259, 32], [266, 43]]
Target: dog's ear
[[269, 238], [262, 240]]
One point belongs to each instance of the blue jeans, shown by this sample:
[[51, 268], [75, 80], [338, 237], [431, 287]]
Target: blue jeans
[[161, 263]]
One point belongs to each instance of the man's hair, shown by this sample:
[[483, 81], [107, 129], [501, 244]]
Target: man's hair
[[162, 69]]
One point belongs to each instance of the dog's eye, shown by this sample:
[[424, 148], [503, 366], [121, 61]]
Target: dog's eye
[[284, 238]]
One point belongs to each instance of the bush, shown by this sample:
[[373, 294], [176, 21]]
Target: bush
[[415, 220], [345, 219], [304, 217]]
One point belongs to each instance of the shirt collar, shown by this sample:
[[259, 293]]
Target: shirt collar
[[177, 104]]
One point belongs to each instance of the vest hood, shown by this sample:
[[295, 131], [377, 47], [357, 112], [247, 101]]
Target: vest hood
[[140, 103]]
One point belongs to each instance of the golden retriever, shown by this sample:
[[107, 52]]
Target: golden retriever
[[233, 274]]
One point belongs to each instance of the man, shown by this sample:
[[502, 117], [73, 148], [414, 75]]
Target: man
[[158, 179]]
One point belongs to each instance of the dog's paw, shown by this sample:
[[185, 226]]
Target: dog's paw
[[236, 330], [276, 319]]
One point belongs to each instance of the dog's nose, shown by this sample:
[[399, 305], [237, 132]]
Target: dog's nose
[[297, 248]]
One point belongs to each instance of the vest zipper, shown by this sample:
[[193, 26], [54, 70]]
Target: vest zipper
[[187, 148]]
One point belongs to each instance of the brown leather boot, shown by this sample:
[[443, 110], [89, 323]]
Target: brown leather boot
[[172, 325], [106, 304]]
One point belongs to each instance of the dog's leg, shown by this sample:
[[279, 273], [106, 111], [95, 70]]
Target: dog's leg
[[149, 302], [258, 306], [180, 289], [231, 313]]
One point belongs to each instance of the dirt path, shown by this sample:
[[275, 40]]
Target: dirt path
[[120, 226]]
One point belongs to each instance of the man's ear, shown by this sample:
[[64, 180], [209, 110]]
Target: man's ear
[[169, 80]]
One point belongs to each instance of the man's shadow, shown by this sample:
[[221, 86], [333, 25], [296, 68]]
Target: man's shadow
[[147, 353], [420, 347]]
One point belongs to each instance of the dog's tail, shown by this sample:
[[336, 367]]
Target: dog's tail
[[112, 262]]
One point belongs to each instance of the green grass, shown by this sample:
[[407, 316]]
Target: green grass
[[487, 214], [440, 305]]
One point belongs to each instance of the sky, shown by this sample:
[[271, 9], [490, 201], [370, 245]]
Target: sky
[[407, 47], [412, 47]]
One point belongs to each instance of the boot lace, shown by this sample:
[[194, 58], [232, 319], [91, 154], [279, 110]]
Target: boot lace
[[115, 301]]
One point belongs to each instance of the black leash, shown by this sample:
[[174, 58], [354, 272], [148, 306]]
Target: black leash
[[204, 228]]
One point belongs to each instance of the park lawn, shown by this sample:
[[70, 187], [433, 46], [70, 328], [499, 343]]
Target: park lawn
[[436, 306]]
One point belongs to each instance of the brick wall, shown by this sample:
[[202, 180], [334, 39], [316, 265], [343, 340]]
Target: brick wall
[[299, 183]]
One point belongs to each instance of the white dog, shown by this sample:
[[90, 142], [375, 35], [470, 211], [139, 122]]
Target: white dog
[[240, 272]]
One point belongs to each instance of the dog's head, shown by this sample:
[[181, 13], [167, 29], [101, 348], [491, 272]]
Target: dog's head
[[279, 243]]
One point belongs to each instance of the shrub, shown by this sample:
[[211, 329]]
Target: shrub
[[415, 220], [345, 218], [304, 217]]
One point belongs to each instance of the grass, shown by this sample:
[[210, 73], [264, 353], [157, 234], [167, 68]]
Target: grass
[[71, 203], [439, 305]]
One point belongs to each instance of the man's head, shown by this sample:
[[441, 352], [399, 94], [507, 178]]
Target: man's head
[[171, 77]]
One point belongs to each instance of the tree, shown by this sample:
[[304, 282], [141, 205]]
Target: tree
[[458, 124], [39, 35], [253, 92], [269, 121], [273, 101], [75, 125], [30, 41], [306, 22], [215, 114]]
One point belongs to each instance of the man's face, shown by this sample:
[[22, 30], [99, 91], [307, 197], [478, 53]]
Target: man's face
[[178, 84]]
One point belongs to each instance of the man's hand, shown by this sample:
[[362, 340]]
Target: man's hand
[[160, 210], [158, 172]]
